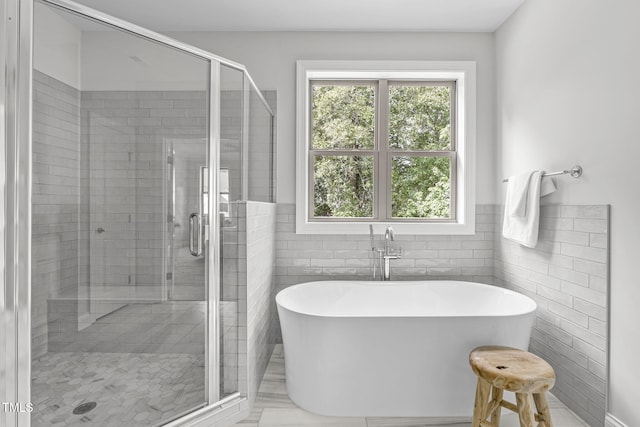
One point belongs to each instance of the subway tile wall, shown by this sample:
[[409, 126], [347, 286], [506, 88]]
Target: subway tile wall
[[248, 276], [233, 320], [261, 230], [303, 257], [231, 139], [568, 275], [127, 135], [56, 198], [261, 149]]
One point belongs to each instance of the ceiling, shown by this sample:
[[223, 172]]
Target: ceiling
[[307, 15]]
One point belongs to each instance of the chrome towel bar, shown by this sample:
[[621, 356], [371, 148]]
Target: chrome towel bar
[[575, 172]]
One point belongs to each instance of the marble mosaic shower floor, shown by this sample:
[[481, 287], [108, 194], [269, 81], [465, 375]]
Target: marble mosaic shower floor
[[273, 408], [130, 389]]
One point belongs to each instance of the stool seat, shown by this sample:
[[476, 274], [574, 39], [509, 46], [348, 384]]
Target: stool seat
[[501, 368], [512, 369]]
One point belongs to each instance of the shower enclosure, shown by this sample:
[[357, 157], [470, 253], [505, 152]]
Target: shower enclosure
[[129, 156]]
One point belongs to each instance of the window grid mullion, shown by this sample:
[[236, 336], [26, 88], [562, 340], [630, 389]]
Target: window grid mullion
[[407, 153], [382, 183], [453, 186], [343, 152]]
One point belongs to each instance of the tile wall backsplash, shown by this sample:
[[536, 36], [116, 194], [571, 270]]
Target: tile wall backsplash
[[568, 275], [56, 198], [307, 257]]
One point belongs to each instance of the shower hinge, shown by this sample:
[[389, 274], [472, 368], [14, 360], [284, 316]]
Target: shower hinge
[[170, 160], [169, 276]]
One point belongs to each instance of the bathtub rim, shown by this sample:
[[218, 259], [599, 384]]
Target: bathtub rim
[[530, 301]]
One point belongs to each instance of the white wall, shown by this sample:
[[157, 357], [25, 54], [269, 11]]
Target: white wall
[[109, 59], [568, 93], [56, 46], [113, 60], [271, 57]]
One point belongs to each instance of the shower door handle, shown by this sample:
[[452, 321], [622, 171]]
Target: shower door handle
[[195, 242]]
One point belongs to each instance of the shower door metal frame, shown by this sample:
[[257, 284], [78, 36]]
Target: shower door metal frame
[[16, 30], [15, 212]]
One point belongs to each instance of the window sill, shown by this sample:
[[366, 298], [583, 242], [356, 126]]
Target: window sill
[[362, 227]]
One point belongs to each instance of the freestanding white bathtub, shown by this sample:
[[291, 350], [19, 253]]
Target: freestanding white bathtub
[[393, 348]]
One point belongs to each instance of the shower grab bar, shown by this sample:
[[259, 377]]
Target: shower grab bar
[[575, 172], [195, 245]]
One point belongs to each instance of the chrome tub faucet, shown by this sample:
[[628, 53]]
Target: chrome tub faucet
[[385, 254]]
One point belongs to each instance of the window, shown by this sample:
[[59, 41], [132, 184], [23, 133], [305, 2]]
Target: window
[[389, 147]]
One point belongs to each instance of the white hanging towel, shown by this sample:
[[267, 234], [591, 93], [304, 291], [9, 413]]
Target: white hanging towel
[[522, 207], [517, 192]]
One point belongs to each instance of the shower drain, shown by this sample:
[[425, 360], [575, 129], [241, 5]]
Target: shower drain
[[84, 408]]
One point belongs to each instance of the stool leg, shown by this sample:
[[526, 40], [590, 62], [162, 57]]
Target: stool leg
[[543, 409], [496, 399], [481, 403], [525, 411]]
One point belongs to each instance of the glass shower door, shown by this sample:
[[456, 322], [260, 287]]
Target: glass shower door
[[119, 277]]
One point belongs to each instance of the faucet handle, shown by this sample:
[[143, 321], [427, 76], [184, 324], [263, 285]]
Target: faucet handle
[[397, 251], [388, 234], [393, 251]]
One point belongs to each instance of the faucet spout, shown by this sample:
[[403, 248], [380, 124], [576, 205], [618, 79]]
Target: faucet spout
[[388, 254]]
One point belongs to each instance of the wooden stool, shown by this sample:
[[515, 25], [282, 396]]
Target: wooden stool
[[505, 368]]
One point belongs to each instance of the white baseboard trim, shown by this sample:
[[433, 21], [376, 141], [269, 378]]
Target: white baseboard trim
[[611, 421]]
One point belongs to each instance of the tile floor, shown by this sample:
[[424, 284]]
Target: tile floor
[[142, 364], [130, 389], [273, 408], [168, 327]]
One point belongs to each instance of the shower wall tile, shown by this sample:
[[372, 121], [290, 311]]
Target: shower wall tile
[[231, 111], [567, 275], [256, 146], [56, 197], [261, 150], [127, 139]]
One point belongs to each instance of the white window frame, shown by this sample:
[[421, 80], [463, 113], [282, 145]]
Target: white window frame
[[463, 72]]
